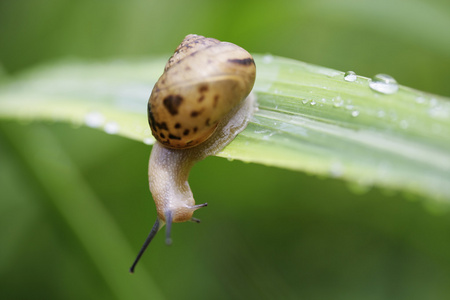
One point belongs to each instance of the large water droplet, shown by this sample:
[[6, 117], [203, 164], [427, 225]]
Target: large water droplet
[[94, 119], [350, 76], [384, 84], [313, 102], [111, 127], [355, 113]]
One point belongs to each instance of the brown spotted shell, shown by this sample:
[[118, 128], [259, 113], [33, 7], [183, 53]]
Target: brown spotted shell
[[201, 83]]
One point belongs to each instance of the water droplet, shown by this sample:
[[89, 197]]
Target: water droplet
[[350, 76], [404, 124], [420, 100], [148, 140], [393, 115], [355, 113], [261, 131], [338, 102], [267, 137], [313, 102], [111, 127], [304, 101], [94, 119], [349, 107], [267, 59], [336, 170], [381, 114], [438, 112], [433, 102], [384, 84]]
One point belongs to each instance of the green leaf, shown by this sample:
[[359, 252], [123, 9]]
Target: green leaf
[[309, 119]]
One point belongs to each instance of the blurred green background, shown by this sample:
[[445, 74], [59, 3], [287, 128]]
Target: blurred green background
[[267, 233]]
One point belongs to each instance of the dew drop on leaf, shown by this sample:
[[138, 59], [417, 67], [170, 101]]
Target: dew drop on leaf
[[267, 59], [338, 102], [355, 113], [384, 84], [111, 127], [350, 76], [336, 170], [420, 100], [94, 119], [404, 124], [381, 114], [148, 140]]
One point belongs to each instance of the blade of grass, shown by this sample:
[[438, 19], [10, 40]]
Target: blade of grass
[[310, 119]]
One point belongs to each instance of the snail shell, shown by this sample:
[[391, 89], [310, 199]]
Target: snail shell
[[202, 82], [196, 108]]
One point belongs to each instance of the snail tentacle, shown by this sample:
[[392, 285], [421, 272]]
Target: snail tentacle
[[149, 238], [168, 227]]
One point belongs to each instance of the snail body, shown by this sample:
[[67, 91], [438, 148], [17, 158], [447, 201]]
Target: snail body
[[197, 107]]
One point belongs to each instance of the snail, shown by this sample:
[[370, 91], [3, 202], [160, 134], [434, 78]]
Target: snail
[[197, 107]]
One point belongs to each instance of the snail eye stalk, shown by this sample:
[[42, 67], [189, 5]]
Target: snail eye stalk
[[169, 222], [150, 237]]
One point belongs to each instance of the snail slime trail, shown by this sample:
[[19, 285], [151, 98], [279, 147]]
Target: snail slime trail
[[197, 107]]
